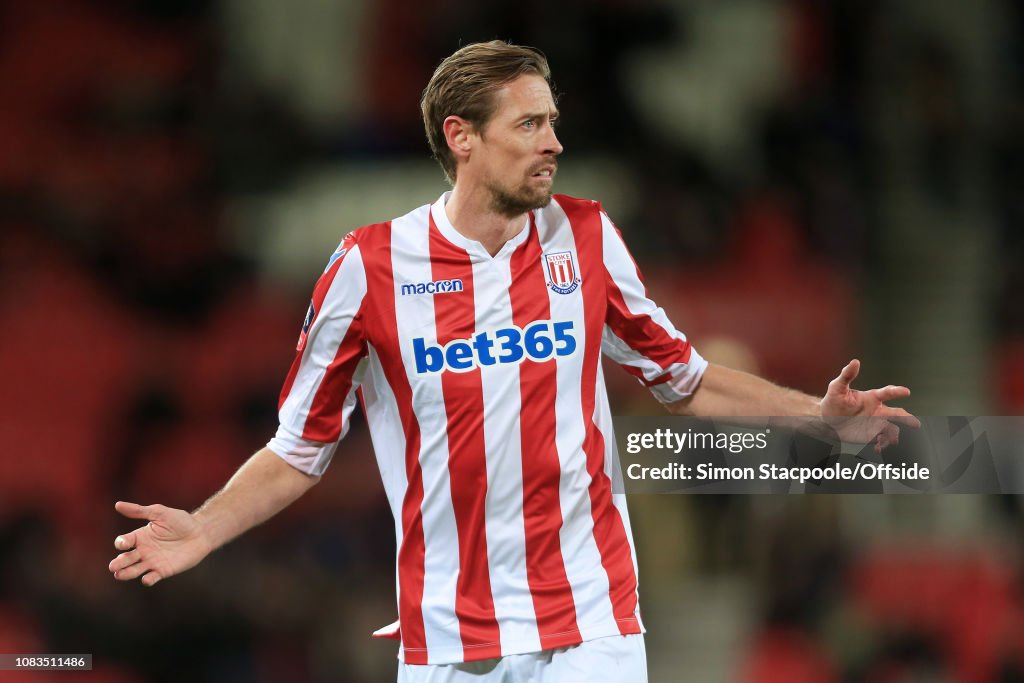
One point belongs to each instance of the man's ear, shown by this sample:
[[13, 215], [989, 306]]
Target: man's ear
[[458, 133]]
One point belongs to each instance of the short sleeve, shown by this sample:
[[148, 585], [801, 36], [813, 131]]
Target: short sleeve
[[637, 333], [319, 393]]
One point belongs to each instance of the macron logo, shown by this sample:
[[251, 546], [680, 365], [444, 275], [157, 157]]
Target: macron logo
[[437, 287]]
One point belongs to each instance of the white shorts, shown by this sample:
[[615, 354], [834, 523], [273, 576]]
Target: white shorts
[[615, 659]]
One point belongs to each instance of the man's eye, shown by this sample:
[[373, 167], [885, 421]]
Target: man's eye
[[530, 123]]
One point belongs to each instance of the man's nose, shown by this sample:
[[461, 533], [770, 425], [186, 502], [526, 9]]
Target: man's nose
[[551, 143]]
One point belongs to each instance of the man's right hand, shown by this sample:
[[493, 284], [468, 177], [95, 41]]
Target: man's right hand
[[169, 544], [175, 540]]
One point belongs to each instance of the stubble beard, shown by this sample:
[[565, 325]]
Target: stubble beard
[[512, 203]]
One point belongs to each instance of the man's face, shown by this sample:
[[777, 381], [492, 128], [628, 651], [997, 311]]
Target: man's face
[[514, 157]]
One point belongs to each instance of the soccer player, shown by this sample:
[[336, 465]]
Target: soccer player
[[470, 330]]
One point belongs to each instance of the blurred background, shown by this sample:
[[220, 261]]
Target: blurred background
[[801, 181]]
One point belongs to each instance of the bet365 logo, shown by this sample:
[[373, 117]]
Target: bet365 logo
[[539, 341]]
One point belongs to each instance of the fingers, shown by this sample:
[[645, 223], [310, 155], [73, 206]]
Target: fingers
[[136, 511], [891, 393], [125, 541], [897, 415], [846, 376], [900, 416], [124, 560], [850, 372], [889, 436], [892, 433], [132, 572], [129, 566]]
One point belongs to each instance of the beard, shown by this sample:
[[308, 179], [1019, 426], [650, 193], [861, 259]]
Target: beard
[[515, 202]]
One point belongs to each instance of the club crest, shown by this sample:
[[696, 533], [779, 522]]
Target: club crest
[[560, 269]]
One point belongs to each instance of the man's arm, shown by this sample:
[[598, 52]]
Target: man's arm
[[175, 540], [723, 392]]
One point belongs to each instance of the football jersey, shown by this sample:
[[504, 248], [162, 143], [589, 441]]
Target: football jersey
[[481, 382]]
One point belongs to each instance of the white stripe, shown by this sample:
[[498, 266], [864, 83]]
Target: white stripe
[[582, 558], [415, 316], [506, 538], [389, 443]]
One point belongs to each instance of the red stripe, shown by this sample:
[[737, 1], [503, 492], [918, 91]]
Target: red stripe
[[609, 530], [289, 380], [542, 513], [455, 318], [383, 329], [639, 374], [323, 423]]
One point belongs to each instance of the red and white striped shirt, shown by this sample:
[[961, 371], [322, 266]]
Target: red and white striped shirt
[[482, 385]]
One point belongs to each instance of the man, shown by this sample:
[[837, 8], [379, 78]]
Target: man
[[470, 330]]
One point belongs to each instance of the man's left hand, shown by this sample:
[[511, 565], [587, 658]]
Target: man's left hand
[[863, 416]]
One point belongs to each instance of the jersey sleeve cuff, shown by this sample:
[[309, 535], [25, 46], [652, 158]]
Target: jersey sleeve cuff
[[311, 457], [683, 380]]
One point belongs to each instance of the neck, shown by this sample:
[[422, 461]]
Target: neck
[[473, 216]]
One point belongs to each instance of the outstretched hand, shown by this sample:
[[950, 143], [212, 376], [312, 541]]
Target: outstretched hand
[[169, 544], [863, 416]]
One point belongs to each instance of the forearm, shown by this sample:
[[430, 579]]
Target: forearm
[[261, 488], [724, 392]]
